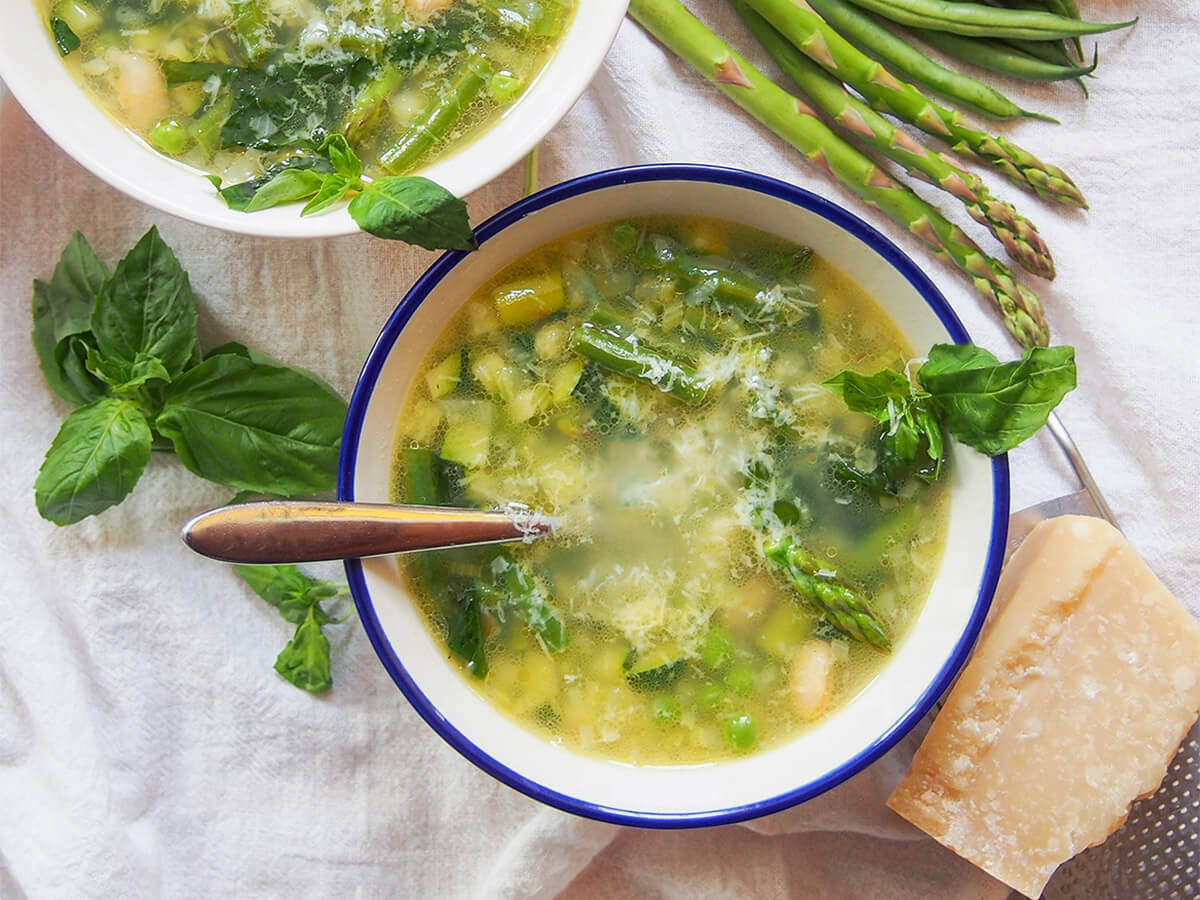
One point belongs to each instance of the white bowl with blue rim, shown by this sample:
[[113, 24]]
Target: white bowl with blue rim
[[30, 67], [921, 666]]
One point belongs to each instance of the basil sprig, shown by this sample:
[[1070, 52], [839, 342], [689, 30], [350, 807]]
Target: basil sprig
[[405, 208], [122, 347], [961, 388], [305, 660]]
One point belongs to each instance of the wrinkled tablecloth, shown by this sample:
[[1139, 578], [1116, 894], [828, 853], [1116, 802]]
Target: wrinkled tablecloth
[[147, 748]]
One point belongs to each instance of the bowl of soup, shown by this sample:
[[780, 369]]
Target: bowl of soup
[[639, 354], [153, 96]]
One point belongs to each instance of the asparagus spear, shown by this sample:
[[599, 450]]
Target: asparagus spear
[[891, 49], [437, 121], [846, 608], [816, 40], [793, 121], [626, 355], [1018, 235]]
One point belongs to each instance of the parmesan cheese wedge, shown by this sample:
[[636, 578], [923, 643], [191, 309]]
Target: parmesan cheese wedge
[[1073, 705]]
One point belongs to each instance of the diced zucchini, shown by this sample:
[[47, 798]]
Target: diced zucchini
[[530, 401], [424, 421], [785, 628], [467, 443], [564, 379], [527, 300], [444, 377], [83, 18], [656, 670], [551, 340]]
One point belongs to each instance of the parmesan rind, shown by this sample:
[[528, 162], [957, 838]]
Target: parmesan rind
[[1071, 708]]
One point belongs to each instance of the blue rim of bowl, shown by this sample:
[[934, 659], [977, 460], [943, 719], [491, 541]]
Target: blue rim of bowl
[[365, 388]]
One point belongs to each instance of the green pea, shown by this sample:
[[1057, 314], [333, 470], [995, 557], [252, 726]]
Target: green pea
[[504, 87], [169, 137], [710, 697], [717, 650], [740, 679], [666, 710], [741, 731]]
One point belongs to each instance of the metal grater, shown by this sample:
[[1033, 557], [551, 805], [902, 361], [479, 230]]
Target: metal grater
[[1155, 855]]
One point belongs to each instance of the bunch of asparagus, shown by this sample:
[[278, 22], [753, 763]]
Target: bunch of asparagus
[[817, 44]]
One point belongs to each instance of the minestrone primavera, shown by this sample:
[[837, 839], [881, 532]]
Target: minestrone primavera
[[721, 576]]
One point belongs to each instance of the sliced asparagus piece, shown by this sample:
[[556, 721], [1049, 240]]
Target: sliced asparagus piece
[[846, 608]]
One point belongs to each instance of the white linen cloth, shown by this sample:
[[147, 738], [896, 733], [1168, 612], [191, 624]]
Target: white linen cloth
[[147, 748]]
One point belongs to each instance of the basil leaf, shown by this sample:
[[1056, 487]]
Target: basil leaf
[[994, 406], [290, 591], [305, 660], [94, 461], [147, 309], [344, 160], [72, 357], [238, 196], [416, 210], [332, 190], [288, 186], [253, 426], [62, 308], [65, 39], [124, 379], [882, 395]]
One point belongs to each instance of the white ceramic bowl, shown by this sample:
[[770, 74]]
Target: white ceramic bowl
[[921, 666], [31, 68]]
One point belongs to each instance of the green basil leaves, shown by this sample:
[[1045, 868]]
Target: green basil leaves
[[122, 347], [978, 400], [305, 660], [401, 208], [994, 406]]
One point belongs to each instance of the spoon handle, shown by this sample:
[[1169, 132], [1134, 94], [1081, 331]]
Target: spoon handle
[[305, 531]]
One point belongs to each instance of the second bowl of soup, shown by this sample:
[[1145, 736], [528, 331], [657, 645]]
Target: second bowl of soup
[[726, 621], [152, 95]]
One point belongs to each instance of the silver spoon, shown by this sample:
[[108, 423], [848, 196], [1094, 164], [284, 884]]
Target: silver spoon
[[309, 531]]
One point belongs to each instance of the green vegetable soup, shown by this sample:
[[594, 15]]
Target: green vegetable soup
[[242, 87], [722, 574]]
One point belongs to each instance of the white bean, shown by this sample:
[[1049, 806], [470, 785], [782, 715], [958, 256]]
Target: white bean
[[812, 677], [141, 90]]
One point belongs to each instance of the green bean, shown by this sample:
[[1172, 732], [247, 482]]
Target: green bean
[[870, 35], [371, 101], [728, 286], [985, 21], [998, 57], [439, 119], [626, 356]]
